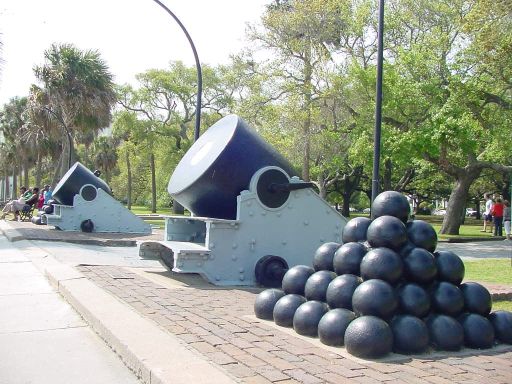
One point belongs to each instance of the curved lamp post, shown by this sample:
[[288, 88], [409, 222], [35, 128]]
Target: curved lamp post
[[198, 67], [378, 105]]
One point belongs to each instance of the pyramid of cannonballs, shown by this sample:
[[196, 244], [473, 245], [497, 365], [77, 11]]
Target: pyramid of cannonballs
[[386, 289]]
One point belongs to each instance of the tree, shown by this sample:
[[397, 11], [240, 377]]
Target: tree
[[454, 116], [12, 121], [105, 155], [294, 32], [80, 93], [162, 108]]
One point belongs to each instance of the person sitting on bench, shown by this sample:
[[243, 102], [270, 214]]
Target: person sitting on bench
[[16, 205]]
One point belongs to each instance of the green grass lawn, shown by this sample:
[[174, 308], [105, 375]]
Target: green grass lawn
[[502, 305], [470, 228], [141, 210], [497, 271]]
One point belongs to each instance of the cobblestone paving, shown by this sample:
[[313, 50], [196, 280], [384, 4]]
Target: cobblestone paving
[[215, 323]]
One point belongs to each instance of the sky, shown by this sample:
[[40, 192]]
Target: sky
[[131, 35]]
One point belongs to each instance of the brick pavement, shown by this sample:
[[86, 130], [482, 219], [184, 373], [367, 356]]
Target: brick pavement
[[219, 324]]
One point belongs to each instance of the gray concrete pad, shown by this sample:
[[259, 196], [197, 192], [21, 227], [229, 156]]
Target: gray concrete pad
[[12, 285], [42, 339], [480, 250], [61, 356], [76, 254], [35, 312]]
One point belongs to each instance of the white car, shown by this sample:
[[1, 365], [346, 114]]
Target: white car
[[470, 212], [439, 212]]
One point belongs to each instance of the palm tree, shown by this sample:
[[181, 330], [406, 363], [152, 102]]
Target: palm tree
[[43, 130], [12, 120], [80, 93], [105, 155]]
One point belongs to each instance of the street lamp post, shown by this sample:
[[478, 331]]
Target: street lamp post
[[378, 104], [198, 67]]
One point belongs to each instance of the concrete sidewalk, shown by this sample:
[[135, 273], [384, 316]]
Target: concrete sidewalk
[[178, 328], [42, 339]]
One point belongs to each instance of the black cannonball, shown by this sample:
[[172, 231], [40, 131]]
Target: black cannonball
[[374, 297], [340, 290], [422, 234], [332, 326], [322, 260], [410, 334], [406, 248], [477, 298], [391, 203], [265, 302], [48, 209], [355, 230], [420, 266], [478, 331], [348, 258], [502, 324], [36, 220], [294, 280], [447, 298], [450, 267], [413, 300], [382, 263], [316, 286], [445, 332], [285, 308], [387, 231], [87, 226], [307, 317], [368, 337]]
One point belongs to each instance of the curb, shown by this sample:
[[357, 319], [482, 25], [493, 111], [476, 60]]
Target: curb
[[10, 233], [471, 239], [154, 355]]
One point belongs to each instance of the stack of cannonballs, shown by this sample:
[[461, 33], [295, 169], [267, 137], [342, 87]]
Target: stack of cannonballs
[[386, 289]]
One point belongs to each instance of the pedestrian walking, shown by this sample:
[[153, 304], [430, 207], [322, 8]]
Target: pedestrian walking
[[497, 217]]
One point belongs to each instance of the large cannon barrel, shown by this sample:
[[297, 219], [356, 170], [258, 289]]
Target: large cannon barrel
[[219, 165], [75, 178]]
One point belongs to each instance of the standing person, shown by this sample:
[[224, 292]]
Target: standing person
[[40, 200], [497, 216], [47, 193], [487, 213], [507, 218], [44, 193]]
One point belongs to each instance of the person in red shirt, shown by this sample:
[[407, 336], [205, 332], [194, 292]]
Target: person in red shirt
[[497, 216]]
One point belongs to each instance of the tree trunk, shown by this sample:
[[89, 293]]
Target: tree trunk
[[457, 202], [322, 191], [25, 173], [350, 183], [7, 192], [69, 155], [388, 170], [129, 173], [177, 208], [38, 170], [57, 171], [14, 181], [153, 182]]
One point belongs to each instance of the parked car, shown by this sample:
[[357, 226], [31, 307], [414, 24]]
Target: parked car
[[366, 210], [439, 212], [470, 212]]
